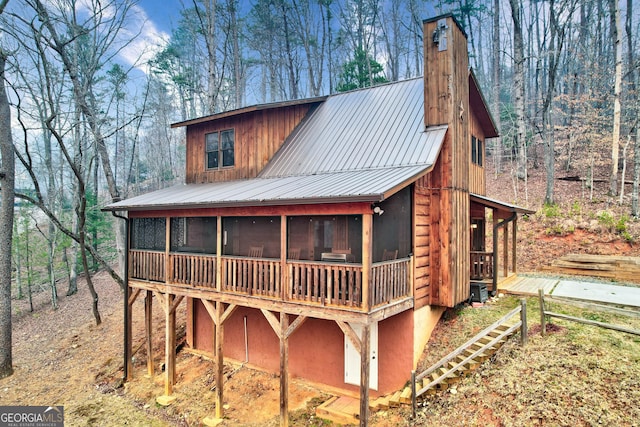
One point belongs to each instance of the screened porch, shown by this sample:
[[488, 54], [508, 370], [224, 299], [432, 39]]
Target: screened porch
[[320, 260]]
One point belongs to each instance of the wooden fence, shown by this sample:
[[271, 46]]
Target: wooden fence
[[544, 314]]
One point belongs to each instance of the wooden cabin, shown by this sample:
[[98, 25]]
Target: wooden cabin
[[323, 238]]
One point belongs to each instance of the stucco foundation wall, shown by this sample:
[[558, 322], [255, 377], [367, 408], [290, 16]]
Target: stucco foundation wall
[[316, 349], [425, 320]]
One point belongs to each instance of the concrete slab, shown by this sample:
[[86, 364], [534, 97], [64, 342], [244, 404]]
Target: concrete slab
[[598, 292]]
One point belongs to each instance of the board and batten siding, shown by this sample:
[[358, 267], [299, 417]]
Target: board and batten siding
[[258, 136], [477, 177], [447, 102]]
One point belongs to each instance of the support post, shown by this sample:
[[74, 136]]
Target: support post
[[365, 346], [284, 370], [170, 346], [128, 331], [148, 323], [505, 248], [543, 320], [524, 333], [219, 254], [514, 251], [414, 398], [367, 248], [284, 276], [218, 325]]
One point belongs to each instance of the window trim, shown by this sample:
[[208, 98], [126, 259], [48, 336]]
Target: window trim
[[220, 150]]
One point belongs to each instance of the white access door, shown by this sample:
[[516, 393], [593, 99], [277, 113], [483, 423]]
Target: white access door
[[352, 357]]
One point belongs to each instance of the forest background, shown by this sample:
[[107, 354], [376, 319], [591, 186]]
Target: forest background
[[87, 124]]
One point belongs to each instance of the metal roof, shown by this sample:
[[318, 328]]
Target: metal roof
[[500, 205], [379, 127], [361, 146]]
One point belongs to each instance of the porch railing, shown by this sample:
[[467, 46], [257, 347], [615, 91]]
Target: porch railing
[[390, 280], [312, 282], [481, 265], [326, 282], [194, 270], [253, 276], [147, 265]]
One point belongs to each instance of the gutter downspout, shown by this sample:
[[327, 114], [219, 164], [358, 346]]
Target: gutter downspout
[[127, 315], [504, 222]]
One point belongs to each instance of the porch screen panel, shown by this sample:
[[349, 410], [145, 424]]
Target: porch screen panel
[[392, 229], [311, 236], [241, 235], [195, 235], [148, 234]]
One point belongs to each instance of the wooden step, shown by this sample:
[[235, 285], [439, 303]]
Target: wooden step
[[405, 396], [394, 399], [380, 404]]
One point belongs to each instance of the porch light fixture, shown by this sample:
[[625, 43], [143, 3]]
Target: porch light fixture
[[378, 210]]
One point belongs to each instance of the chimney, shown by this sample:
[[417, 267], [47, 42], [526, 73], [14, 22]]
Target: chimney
[[446, 73]]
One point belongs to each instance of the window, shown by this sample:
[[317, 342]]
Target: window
[[477, 151], [219, 149]]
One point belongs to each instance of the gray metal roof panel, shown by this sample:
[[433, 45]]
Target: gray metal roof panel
[[378, 127], [365, 185]]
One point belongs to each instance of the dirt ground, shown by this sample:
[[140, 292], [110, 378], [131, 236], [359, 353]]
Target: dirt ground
[[62, 358]]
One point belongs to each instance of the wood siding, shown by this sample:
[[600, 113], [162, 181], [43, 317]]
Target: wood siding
[[421, 239], [477, 177], [258, 136], [447, 102]]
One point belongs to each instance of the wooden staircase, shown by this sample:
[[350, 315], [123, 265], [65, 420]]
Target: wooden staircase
[[441, 376]]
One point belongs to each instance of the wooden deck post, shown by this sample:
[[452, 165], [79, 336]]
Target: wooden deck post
[[284, 370], [148, 323], [170, 346], [128, 330], [505, 248], [219, 254], [219, 340], [168, 268], [514, 246], [365, 344], [367, 248], [284, 276]]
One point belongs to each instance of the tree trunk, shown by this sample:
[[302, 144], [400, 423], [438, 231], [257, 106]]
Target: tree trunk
[[7, 197], [497, 158], [518, 83], [615, 143]]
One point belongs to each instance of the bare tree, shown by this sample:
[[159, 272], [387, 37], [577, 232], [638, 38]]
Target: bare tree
[[7, 182], [518, 89], [616, 31]]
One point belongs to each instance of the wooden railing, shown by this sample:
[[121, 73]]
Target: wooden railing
[[147, 265], [481, 265], [313, 282], [253, 276], [326, 282], [389, 281], [194, 270]]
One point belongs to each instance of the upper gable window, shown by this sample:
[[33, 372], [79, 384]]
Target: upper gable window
[[219, 149], [477, 151]]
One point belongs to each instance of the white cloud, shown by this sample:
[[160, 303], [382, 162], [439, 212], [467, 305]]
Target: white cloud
[[146, 39]]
